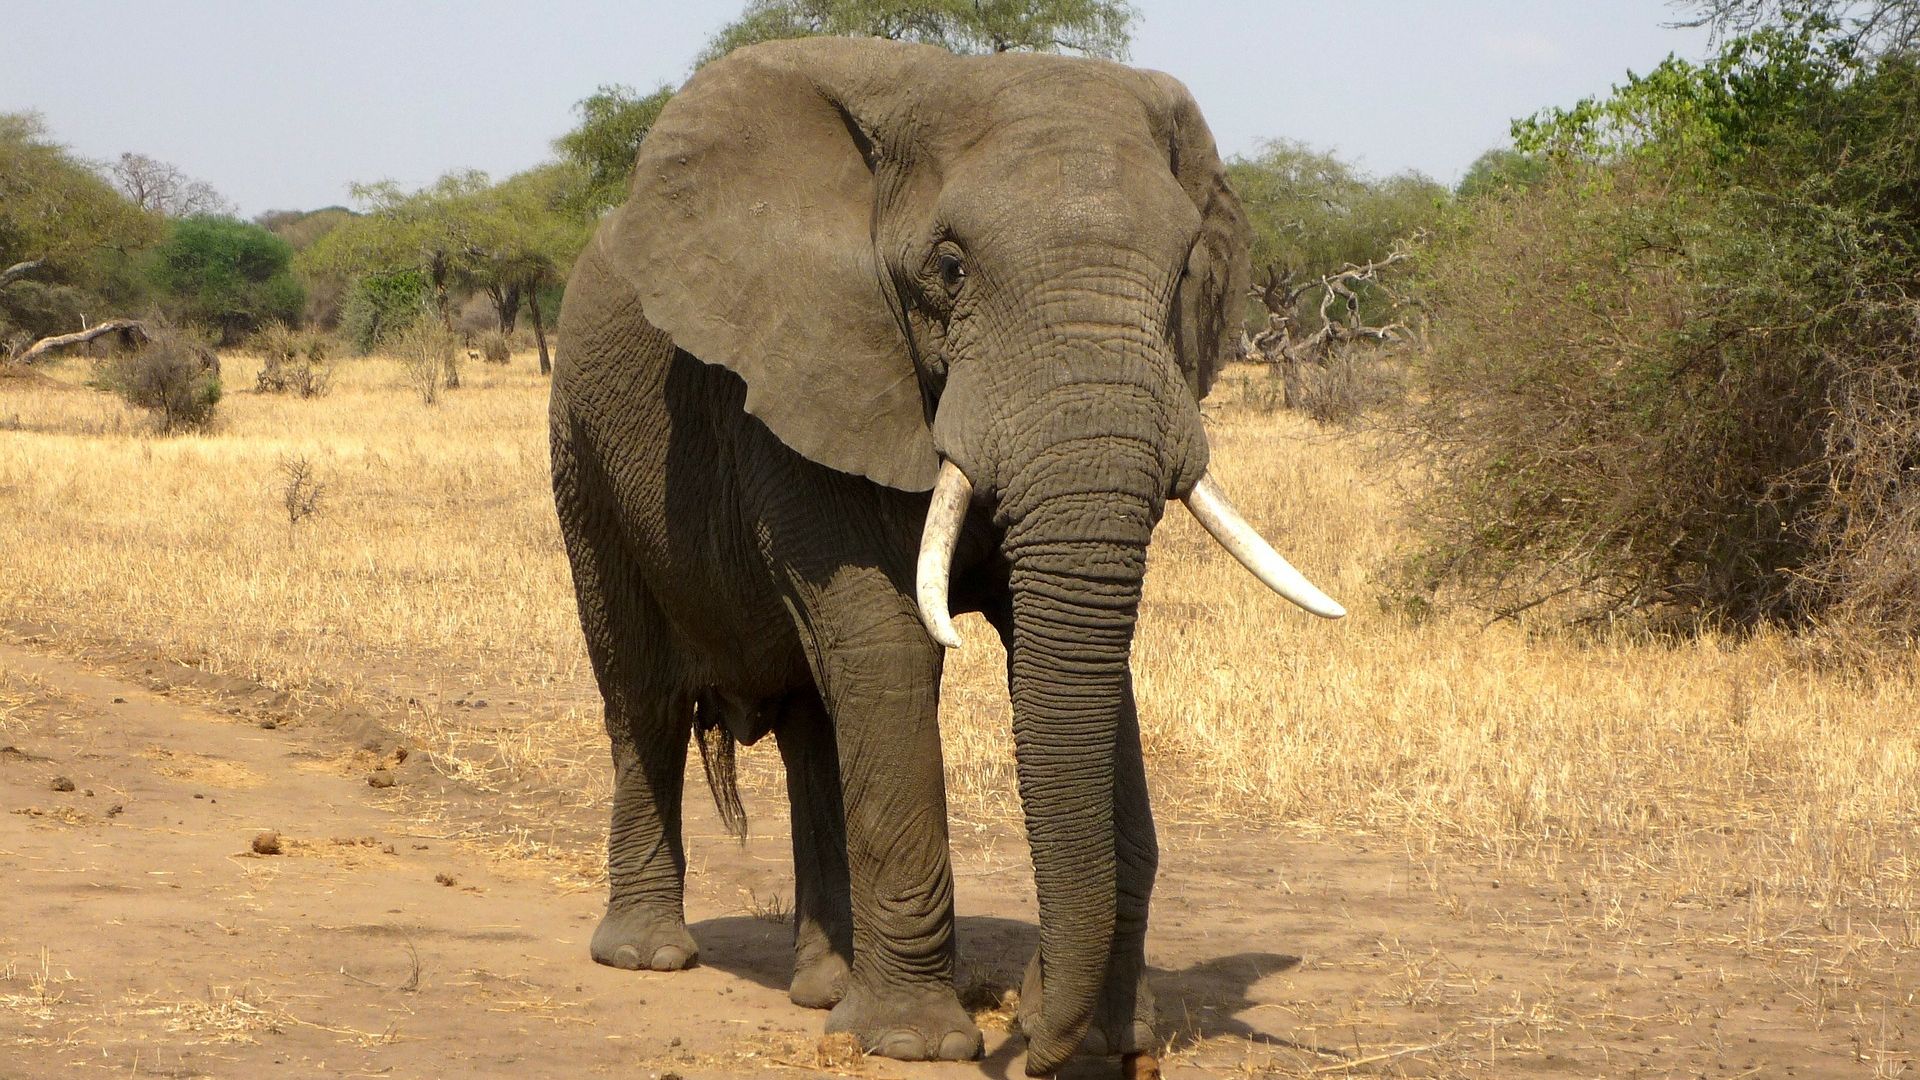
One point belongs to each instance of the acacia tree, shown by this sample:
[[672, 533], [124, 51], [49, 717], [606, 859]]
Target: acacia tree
[[430, 231], [613, 120], [526, 233]]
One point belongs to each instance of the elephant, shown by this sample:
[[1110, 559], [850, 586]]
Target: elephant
[[883, 334]]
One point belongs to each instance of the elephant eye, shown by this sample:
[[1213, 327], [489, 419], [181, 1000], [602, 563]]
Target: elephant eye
[[953, 272]]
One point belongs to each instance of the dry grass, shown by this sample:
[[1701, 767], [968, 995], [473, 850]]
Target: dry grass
[[434, 567]]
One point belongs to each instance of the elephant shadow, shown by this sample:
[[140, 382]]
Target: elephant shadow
[[1203, 1001]]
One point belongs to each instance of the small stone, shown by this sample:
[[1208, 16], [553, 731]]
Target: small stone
[[115, 810], [269, 723], [62, 783], [380, 778], [399, 755], [446, 879], [119, 701], [479, 703], [267, 843], [199, 794]]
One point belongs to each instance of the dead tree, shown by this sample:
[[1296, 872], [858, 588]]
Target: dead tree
[[1284, 340], [132, 333]]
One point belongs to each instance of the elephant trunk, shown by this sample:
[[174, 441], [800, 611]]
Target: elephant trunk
[[1076, 560]]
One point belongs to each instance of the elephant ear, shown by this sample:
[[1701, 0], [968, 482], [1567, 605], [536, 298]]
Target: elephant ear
[[1210, 307], [747, 235]]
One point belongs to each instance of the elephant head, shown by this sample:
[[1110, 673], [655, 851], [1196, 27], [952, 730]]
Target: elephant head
[[1008, 279]]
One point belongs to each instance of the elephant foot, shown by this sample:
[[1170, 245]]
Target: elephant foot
[[819, 982], [643, 939], [908, 1024]]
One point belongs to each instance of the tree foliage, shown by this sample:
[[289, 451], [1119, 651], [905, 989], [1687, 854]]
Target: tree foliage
[[613, 120], [460, 234], [227, 275], [67, 238], [1090, 27], [1679, 378]]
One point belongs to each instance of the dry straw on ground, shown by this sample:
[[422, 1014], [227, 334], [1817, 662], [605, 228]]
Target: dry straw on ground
[[434, 562]]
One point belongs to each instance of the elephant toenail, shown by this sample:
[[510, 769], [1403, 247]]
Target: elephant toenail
[[903, 1046], [669, 958], [959, 1046], [626, 956]]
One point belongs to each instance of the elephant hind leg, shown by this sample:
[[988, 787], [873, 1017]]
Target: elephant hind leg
[[649, 718], [822, 915]]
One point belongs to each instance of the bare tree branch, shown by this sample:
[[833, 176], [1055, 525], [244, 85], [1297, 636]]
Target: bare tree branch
[[19, 270], [132, 331]]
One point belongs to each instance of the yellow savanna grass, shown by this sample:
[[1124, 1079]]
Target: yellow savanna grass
[[434, 562]]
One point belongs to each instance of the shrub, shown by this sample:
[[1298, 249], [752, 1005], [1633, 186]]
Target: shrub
[[292, 362], [494, 347], [379, 306], [174, 377], [1679, 378], [430, 356]]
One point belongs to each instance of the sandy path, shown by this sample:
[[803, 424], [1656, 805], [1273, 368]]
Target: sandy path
[[141, 936]]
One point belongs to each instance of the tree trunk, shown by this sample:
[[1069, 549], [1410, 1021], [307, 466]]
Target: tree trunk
[[133, 333], [539, 330], [19, 270], [506, 304]]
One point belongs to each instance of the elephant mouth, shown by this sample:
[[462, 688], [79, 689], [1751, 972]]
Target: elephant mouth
[[1206, 502]]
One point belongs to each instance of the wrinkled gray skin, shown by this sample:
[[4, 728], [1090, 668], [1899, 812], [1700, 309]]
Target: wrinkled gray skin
[[841, 262]]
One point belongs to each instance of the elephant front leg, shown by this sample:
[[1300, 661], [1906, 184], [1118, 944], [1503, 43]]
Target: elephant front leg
[[881, 685], [822, 918], [645, 925]]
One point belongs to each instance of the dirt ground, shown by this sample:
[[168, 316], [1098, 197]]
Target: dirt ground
[[143, 936]]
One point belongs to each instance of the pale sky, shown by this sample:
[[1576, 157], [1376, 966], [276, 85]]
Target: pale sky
[[281, 105]]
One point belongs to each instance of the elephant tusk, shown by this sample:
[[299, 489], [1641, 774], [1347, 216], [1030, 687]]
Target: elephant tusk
[[1211, 508], [951, 493]]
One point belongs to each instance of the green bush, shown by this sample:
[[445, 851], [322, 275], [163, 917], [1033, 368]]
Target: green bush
[[227, 276], [1678, 378], [378, 306], [173, 376]]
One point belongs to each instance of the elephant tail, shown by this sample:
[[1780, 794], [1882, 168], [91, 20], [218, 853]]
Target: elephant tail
[[716, 760]]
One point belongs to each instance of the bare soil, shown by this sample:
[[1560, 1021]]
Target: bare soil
[[143, 934]]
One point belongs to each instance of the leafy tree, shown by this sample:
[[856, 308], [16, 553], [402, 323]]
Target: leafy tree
[[613, 120], [159, 187], [227, 275], [302, 228], [1501, 169], [67, 238], [429, 231], [1313, 214], [379, 305], [1092, 27], [526, 235]]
